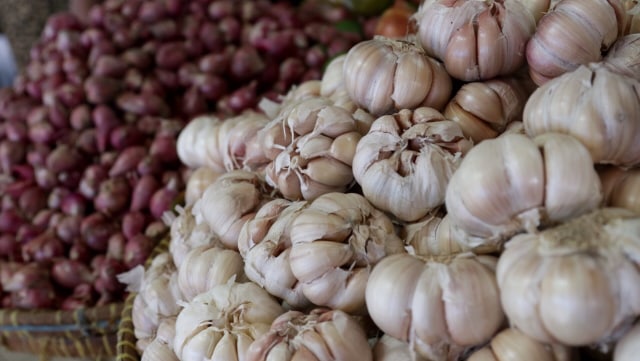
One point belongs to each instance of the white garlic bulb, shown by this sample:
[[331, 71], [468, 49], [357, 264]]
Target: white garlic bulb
[[628, 348], [599, 107], [514, 183], [406, 160], [440, 305], [577, 283], [384, 75], [187, 234], [197, 143], [511, 344], [221, 324], [265, 245], [320, 335], [620, 187], [574, 32], [332, 78], [335, 241], [476, 39]]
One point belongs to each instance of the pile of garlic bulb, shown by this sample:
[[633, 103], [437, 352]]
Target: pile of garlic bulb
[[469, 192]]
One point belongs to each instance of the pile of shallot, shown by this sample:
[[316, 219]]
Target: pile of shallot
[[466, 192], [88, 155]]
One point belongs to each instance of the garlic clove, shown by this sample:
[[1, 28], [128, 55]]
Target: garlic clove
[[413, 79], [329, 172], [484, 354], [343, 147], [513, 345], [460, 57], [326, 255]]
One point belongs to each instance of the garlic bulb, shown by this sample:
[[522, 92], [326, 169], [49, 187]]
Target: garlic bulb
[[574, 32], [577, 283], [514, 183], [623, 56], [332, 78], [335, 241], [320, 335], [157, 298], [621, 188], [476, 39], [405, 161], [198, 181], [229, 202], [207, 266], [440, 305], [432, 236], [388, 348], [221, 324], [628, 348], [223, 145], [594, 104], [512, 344], [264, 244], [384, 75], [318, 157], [186, 234], [484, 109]]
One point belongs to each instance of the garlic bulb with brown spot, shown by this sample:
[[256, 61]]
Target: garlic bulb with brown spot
[[599, 107], [187, 234], [406, 160], [628, 348], [335, 241], [621, 188], [230, 202], [385, 75], [574, 32], [221, 324], [207, 266], [514, 183], [577, 283], [511, 344], [265, 245], [318, 158], [484, 109], [475, 39], [320, 335], [440, 305], [388, 348]]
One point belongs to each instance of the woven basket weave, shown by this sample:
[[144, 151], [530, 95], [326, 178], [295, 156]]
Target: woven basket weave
[[90, 333], [126, 339]]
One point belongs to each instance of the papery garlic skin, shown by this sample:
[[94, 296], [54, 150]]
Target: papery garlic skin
[[576, 283], [207, 266], [574, 32], [187, 234], [475, 39], [514, 183], [441, 307], [628, 348], [511, 344], [198, 181], [335, 241], [406, 160], [433, 236], [321, 334], [384, 75], [265, 245], [333, 79], [161, 348], [219, 325], [231, 201], [594, 104], [484, 109], [623, 56], [198, 144], [388, 348], [621, 188]]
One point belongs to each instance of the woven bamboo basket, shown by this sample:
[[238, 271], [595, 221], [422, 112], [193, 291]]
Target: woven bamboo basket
[[126, 338]]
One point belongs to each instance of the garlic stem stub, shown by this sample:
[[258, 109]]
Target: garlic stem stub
[[573, 33], [511, 344], [577, 283], [440, 305], [385, 75], [594, 104], [475, 40], [406, 160], [320, 335], [513, 183], [335, 241]]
